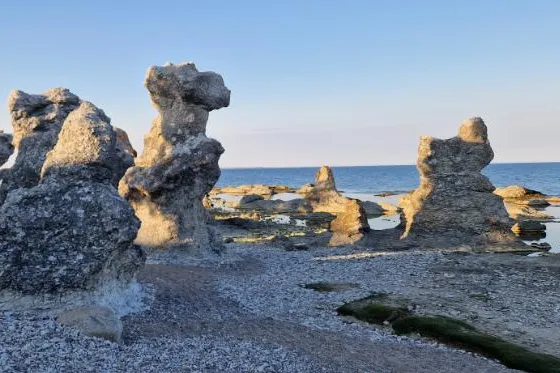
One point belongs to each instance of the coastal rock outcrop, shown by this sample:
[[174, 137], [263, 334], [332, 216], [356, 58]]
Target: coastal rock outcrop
[[349, 226], [72, 231], [323, 195], [454, 200], [179, 164], [125, 155], [6, 147], [36, 122]]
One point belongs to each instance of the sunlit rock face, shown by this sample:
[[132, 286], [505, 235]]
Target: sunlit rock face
[[349, 226], [454, 199], [36, 122], [179, 164], [323, 195], [72, 231]]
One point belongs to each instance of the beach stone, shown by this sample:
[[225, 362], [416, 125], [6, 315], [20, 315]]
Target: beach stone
[[6, 147], [454, 198], [516, 192], [250, 198], [36, 122], [94, 321], [72, 231], [179, 163], [521, 212], [349, 227], [372, 208], [528, 228]]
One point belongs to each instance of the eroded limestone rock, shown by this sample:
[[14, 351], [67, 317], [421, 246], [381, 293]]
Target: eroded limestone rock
[[179, 164], [36, 122], [323, 196], [349, 226], [72, 231], [6, 147], [454, 200], [125, 155]]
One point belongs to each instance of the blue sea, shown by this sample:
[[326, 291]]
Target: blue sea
[[364, 182], [544, 177]]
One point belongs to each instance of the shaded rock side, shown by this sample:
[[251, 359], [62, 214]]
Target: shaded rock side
[[125, 155], [72, 231], [36, 122], [349, 227], [179, 164], [6, 147], [454, 198]]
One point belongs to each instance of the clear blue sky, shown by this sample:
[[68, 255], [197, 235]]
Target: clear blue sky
[[313, 82]]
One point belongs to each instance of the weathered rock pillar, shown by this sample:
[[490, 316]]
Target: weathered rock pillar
[[179, 164]]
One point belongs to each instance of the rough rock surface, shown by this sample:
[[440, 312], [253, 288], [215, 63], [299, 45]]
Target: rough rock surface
[[454, 199], [6, 147], [257, 189], [36, 121], [517, 191], [529, 229], [179, 164], [349, 227], [72, 231], [323, 196], [125, 155], [94, 321]]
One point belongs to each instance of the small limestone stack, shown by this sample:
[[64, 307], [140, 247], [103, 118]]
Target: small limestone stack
[[6, 147], [179, 164], [454, 200], [71, 232], [323, 195], [350, 226]]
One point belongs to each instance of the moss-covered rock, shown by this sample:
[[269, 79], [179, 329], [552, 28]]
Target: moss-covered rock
[[380, 308]]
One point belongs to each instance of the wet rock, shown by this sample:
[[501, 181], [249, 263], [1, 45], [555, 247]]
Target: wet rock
[[72, 231], [179, 164], [454, 199], [349, 227], [531, 202], [372, 208], [529, 229], [36, 122], [94, 321], [6, 147], [520, 212], [249, 198]]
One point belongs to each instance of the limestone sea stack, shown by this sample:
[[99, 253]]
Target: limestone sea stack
[[72, 231], [454, 201], [179, 164], [323, 195]]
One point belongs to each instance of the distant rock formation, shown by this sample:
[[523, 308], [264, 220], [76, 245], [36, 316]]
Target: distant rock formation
[[179, 164], [323, 195], [518, 192], [454, 200], [36, 121], [6, 147], [72, 231], [255, 189], [349, 226]]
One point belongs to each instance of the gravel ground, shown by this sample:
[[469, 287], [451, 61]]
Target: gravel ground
[[246, 312]]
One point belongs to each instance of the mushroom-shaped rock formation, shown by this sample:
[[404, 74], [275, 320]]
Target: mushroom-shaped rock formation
[[6, 147], [454, 200], [71, 232], [179, 164]]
